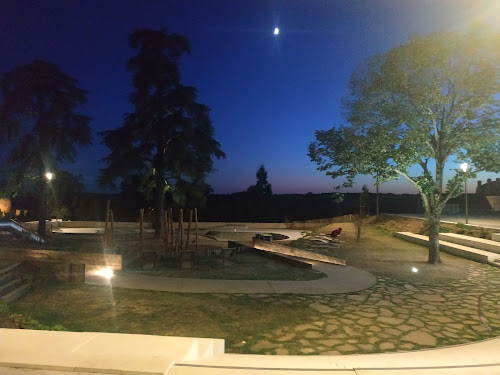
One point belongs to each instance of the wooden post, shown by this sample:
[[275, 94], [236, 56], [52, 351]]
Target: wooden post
[[141, 228], [112, 228], [106, 224], [196, 228], [181, 228], [189, 228], [166, 231], [176, 244], [171, 227]]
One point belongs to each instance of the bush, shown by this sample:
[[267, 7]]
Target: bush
[[62, 212], [27, 322]]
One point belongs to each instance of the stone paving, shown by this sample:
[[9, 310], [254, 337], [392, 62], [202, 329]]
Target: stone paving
[[391, 316]]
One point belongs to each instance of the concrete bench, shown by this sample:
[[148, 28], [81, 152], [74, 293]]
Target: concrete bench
[[101, 352], [478, 243], [462, 251]]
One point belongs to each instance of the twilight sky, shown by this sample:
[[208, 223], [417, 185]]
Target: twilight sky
[[268, 94]]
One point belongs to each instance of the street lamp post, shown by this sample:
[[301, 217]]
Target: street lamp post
[[44, 196], [464, 168]]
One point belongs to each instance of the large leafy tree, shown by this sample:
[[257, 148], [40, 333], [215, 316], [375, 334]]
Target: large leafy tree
[[431, 103], [169, 138], [38, 115]]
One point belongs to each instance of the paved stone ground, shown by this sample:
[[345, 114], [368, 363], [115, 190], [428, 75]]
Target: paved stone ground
[[391, 316]]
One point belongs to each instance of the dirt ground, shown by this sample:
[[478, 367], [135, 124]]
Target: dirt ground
[[382, 254]]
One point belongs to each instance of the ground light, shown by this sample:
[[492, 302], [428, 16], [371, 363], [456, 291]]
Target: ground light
[[107, 273], [414, 269]]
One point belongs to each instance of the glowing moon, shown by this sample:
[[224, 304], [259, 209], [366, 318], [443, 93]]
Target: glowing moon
[[276, 31]]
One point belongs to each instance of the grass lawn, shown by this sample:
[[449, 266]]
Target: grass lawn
[[384, 255], [242, 266], [97, 309]]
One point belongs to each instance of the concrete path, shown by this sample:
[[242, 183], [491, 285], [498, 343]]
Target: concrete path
[[340, 279]]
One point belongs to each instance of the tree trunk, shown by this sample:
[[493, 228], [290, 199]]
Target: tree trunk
[[42, 214], [434, 225], [159, 201]]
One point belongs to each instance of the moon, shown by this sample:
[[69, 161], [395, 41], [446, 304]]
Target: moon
[[276, 31]]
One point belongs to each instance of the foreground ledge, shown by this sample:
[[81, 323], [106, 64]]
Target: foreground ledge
[[114, 353]]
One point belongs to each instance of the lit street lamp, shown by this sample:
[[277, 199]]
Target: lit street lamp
[[44, 197], [464, 168]]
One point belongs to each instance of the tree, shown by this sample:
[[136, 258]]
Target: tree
[[364, 199], [37, 113], [262, 189], [259, 205], [430, 101], [169, 138]]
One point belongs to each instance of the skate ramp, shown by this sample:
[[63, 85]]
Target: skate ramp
[[12, 226]]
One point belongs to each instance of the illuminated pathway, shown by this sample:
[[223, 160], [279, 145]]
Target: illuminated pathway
[[340, 279]]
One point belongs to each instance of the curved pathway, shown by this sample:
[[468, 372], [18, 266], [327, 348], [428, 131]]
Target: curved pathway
[[339, 279]]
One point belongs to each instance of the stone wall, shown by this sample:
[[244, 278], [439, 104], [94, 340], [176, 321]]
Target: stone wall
[[91, 260]]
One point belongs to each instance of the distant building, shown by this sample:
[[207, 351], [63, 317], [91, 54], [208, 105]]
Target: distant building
[[491, 190]]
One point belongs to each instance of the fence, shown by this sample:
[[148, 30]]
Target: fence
[[331, 220]]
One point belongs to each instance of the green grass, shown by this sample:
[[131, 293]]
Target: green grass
[[242, 266], [96, 309]]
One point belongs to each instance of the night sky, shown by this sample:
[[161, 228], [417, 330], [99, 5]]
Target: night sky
[[268, 94]]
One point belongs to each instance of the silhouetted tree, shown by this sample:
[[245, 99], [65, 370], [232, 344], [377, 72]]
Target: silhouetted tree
[[428, 101], [169, 137], [37, 113], [259, 203], [262, 189]]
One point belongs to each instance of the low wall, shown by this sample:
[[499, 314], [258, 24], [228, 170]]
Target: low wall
[[95, 352], [91, 260], [33, 225]]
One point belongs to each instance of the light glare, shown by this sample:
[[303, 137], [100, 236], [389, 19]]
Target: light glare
[[276, 31], [414, 269], [464, 166], [49, 176], [107, 273]]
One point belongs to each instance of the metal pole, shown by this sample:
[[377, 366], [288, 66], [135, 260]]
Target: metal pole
[[466, 204], [378, 212]]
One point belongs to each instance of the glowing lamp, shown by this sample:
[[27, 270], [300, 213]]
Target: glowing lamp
[[107, 273]]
